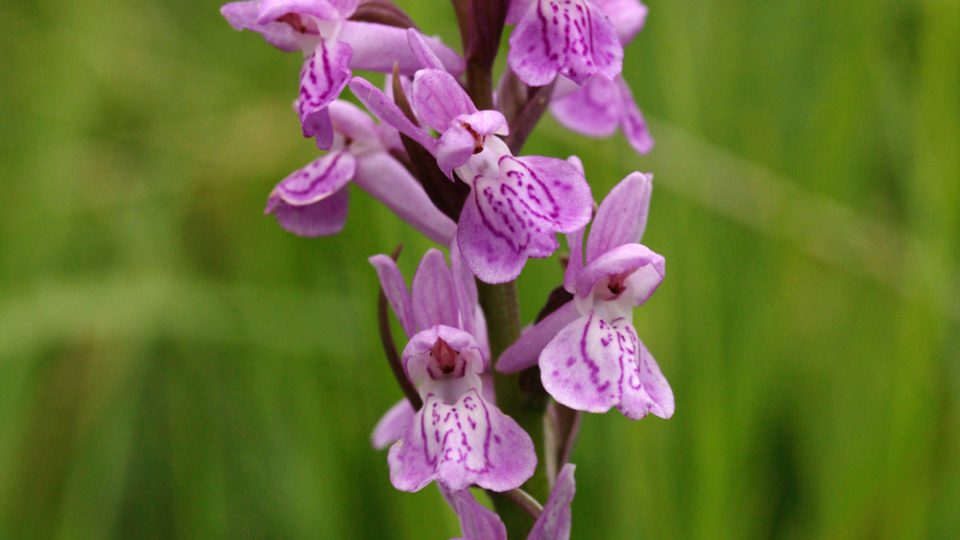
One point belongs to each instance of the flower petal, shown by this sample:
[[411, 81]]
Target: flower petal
[[243, 16], [525, 351], [627, 16], [422, 52], [325, 72], [631, 121], [570, 37], [467, 295], [353, 123], [645, 389], [388, 181], [517, 9], [395, 289], [439, 99], [512, 217], [645, 268], [468, 442], [272, 10], [477, 522], [555, 520], [434, 295], [622, 216], [376, 47], [392, 425], [323, 218], [455, 148], [592, 109], [581, 367], [320, 179], [383, 107]]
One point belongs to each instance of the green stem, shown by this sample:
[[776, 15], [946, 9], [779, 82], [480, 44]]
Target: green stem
[[502, 311]]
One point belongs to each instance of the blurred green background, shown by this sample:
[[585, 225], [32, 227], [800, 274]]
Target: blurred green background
[[173, 365]]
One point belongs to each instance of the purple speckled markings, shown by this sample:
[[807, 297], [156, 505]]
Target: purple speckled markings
[[459, 437], [573, 38], [589, 354]]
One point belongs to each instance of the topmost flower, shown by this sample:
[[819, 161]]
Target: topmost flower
[[332, 45], [573, 38]]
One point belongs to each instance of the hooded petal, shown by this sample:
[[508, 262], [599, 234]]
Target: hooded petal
[[243, 16], [395, 289], [467, 442], [376, 47], [645, 389], [593, 109], [631, 121], [525, 351], [570, 37], [477, 522], [322, 218], [388, 181], [434, 294], [421, 365], [391, 426], [644, 269], [272, 10], [627, 16], [515, 216], [320, 179], [455, 148], [439, 99], [325, 72], [383, 107], [622, 216], [555, 520], [582, 367]]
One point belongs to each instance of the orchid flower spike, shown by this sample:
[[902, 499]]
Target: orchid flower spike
[[478, 522], [332, 45], [459, 437], [589, 354], [312, 201], [516, 205], [600, 105], [573, 38]]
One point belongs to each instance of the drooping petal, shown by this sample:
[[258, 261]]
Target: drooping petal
[[593, 109], [645, 389], [631, 122], [320, 179], [243, 16], [467, 442], [439, 99], [582, 367], [568, 37], [525, 351], [383, 107], [376, 47], [485, 123], [627, 16], [391, 426], [477, 522], [388, 181], [325, 73], [512, 217], [555, 520], [644, 267], [395, 289], [434, 294], [622, 216], [322, 218]]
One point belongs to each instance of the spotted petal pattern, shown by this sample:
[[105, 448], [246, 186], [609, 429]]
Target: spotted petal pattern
[[516, 215], [324, 75], [569, 37], [467, 442]]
